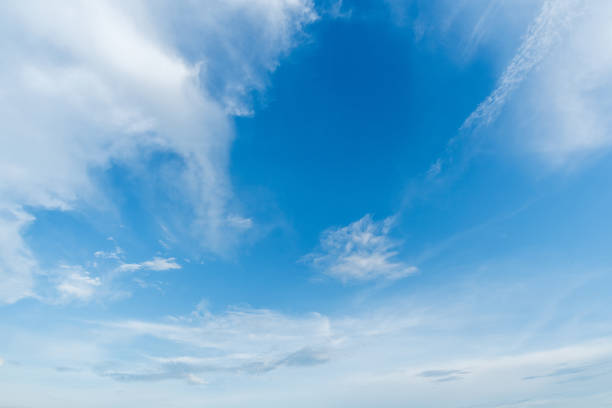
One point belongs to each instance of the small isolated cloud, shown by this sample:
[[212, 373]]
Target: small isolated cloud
[[1, 361], [361, 251], [114, 254], [239, 222], [155, 264], [195, 380], [78, 285], [161, 264]]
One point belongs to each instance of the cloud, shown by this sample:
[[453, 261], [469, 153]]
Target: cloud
[[262, 328], [155, 264], [441, 373], [444, 375], [242, 341], [238, 341], [361, 251], [305, 357], [195, 380], [565, 371], [407, 353], [17, 266], [85, 85], [543, 34], [115, 254], [381, 351], [77, 284], [190, 368]]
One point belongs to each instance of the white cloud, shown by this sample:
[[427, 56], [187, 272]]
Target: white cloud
[[161, 264], [361, 251], [77, 284], [84, 84], [114, 254], [155, 264], [130, 267], [543, 34], [240, 222]]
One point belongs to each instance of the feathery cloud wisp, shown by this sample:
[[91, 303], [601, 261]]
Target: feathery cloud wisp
[[541, 37], [361, 251]]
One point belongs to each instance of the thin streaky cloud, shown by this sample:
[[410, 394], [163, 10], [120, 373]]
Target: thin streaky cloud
[[543, 34]]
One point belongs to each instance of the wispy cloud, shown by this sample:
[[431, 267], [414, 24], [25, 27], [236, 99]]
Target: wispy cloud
[[444, 375], [543, 34], [242, 341], [238, 341], [361, 251], [155, 264], [78, 284], [114, 254], [190, 369]]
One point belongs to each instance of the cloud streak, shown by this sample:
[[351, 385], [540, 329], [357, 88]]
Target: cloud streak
[[543, 34]]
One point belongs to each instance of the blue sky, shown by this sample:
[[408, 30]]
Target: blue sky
[[273, 203]]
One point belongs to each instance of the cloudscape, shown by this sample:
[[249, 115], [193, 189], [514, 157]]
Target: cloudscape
[[306, 203]]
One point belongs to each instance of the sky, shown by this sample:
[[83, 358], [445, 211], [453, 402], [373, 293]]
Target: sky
[[272, 203]]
